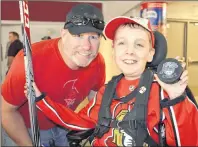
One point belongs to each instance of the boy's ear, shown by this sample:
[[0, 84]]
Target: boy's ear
[[112, 45], [151, 54], [113, 51]]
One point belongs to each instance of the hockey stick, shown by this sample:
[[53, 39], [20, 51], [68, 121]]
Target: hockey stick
[[24, 13]]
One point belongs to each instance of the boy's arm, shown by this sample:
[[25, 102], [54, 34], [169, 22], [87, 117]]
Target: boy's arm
[[181, 114]]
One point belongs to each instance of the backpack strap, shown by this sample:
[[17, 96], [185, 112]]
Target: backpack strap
[[105, 116], [137, 117], [127, 98]]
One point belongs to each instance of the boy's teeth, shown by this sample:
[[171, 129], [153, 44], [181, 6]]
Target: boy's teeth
[[129, 61]]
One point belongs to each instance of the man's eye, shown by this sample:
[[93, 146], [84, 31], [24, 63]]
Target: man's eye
[[78, 35], [94, 37]]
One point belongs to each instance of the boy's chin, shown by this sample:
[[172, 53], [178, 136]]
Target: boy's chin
[[131, 75]]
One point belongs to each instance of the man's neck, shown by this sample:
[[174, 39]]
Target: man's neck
[[13, 40], [66, 59]]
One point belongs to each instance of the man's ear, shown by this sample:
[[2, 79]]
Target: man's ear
[[63, 32], [151, 54]]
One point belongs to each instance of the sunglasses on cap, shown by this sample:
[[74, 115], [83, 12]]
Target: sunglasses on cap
[[83, 21]]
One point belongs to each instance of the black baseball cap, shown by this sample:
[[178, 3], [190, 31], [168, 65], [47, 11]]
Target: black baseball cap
[[87, 11]]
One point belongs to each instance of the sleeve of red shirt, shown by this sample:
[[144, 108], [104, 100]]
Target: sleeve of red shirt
[[184, 120], [101, 73], [64, 116], [13, 86], [84, 120]]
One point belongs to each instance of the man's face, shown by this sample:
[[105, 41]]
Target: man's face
[[12, 38], [80, 49], [132, 50]]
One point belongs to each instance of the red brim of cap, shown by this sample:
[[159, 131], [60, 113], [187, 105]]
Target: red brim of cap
[[113, 25]]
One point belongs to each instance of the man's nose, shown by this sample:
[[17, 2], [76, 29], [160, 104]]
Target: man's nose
[[86, 44]]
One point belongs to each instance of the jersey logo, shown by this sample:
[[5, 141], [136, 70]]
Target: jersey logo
[[120, 137], [71, 92], [69, 102]]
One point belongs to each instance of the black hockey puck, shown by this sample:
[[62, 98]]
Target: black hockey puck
[[169, 70]]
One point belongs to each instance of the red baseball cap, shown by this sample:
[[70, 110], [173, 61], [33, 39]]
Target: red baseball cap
[[113, 25]]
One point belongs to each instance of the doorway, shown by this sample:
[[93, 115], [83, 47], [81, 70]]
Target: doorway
[[182, 38]]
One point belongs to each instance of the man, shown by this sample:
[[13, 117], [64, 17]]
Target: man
[[15, 46], [67, 68], [168, 113]]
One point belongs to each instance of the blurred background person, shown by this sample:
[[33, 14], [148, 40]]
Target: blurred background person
[[46, 38], [15, 46]]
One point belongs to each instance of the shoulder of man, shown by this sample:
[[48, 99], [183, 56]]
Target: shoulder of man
[[100, 58], [12, 44], [18, 45], [38, 48], [43, 45], [14, 48]]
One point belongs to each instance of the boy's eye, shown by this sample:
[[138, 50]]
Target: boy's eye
[[140, 45], [120, 43]]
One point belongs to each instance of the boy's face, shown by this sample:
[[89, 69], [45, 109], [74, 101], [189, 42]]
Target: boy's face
[[133, 50]]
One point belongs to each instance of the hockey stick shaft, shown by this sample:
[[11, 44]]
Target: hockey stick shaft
[[24, 13]]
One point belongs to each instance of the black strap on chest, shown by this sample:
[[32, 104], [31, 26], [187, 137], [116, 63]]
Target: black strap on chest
[[134, 122], [127, 98], [137, 117], [104, 116]]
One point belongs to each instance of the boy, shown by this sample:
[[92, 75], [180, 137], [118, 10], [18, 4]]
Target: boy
[[133, 43]]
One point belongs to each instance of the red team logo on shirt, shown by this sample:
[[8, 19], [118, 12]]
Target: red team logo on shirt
[[71, 92], [69, 102]]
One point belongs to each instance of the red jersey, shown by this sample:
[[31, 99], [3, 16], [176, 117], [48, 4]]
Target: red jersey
[[65, 86], [180, 119]]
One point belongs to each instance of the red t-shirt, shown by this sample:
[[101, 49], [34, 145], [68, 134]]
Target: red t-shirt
[[54, 77]]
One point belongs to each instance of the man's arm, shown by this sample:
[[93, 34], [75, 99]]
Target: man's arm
[[14, 125], [10, 59], [13, 96]]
